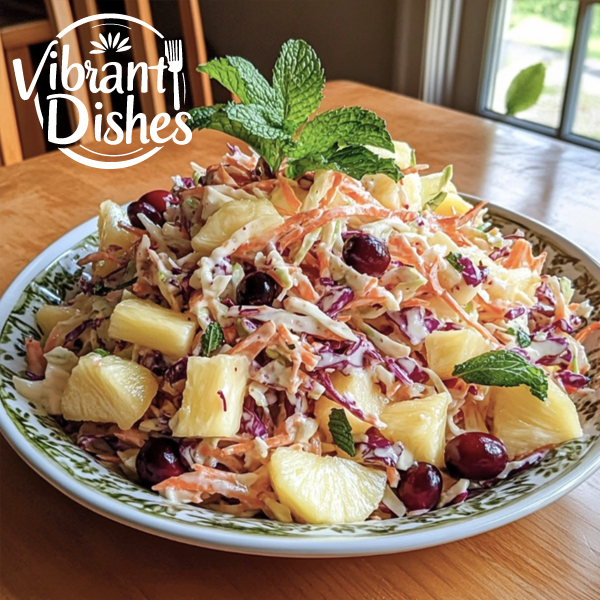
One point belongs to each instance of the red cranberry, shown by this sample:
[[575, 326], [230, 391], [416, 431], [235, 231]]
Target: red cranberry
[[367, 254], [257, 289], [158, 460], [475, 455], [139, 207], [157, 199], [420, 487]]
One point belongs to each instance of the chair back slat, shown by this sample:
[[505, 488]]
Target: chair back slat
[[195, 46], [143, 45], [10, 144]]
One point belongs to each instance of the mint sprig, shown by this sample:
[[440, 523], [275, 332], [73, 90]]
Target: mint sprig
[[212, 339], [341, 431], [503, 368], [298, 79], [274, 120]]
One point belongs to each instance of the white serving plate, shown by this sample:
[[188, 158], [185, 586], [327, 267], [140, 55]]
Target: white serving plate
[[43, 445]]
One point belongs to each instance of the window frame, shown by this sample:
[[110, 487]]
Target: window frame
[[495, 26]]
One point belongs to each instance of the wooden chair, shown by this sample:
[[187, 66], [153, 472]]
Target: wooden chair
[[20, 132], [195, 51], [145, 49], [21, 117]]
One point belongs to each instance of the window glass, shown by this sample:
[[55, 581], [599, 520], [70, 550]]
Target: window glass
[[536, 31], [587, 116]]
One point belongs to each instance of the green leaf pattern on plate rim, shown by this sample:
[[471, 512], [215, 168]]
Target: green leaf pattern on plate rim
[[44, 434]]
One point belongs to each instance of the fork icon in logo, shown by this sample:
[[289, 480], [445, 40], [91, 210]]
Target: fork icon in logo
[[174, 56]]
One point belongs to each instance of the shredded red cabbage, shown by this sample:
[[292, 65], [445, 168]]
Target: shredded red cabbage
[[416, 323], [472, 274], [545, 295], [513, 313], [352, 357], [500, 253], [553, 351], [79, 330], [344, 400], [378, 450], [177, 371], [335, 299], [251, 422], [574, 380]]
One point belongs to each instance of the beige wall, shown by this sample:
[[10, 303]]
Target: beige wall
[[353, 38]]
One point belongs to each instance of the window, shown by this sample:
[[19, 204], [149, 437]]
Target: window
[[563, 35]]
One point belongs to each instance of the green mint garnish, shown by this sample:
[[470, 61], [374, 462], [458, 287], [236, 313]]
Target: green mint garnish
[[102, 352], [522, 338], [274, 120], [212, 339], [453, 258], [340, 430], [503, 368]]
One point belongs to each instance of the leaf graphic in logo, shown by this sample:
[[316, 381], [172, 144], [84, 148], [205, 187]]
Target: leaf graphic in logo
[[106, 44]]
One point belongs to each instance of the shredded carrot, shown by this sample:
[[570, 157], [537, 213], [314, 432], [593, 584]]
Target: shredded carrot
[[373, 296], [521, 255], [393, 476], [265, 185], [496, 311], [256, 342], [36, 363], [230, 334], [331, 192], [299, 225], [305, 289], [293, 204], [586, 331]]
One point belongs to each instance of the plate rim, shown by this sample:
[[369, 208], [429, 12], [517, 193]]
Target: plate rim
[[264, 544]]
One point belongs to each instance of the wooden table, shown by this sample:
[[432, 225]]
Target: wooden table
[[52, 548]]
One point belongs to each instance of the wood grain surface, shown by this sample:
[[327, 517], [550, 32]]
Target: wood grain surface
[[51, 548]]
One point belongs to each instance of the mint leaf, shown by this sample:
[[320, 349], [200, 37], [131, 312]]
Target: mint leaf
[[340, 430], [503, 368], [243, 79], [247, 123], [356, 161], [269, 117], [353, 126], [522, 338], [453, 259], [299, 79], [525, 89], [101, 352], [212, 339]]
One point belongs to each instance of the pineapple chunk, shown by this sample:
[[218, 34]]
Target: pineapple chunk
[[147, 324], [420, 425], [50, 315], [110, 233], [232, 216], [325, 489], [367, 395], [446, 349], [213, 397], [525, 423], [452, 205], [384, 189], [108, 389], [512, 284]]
